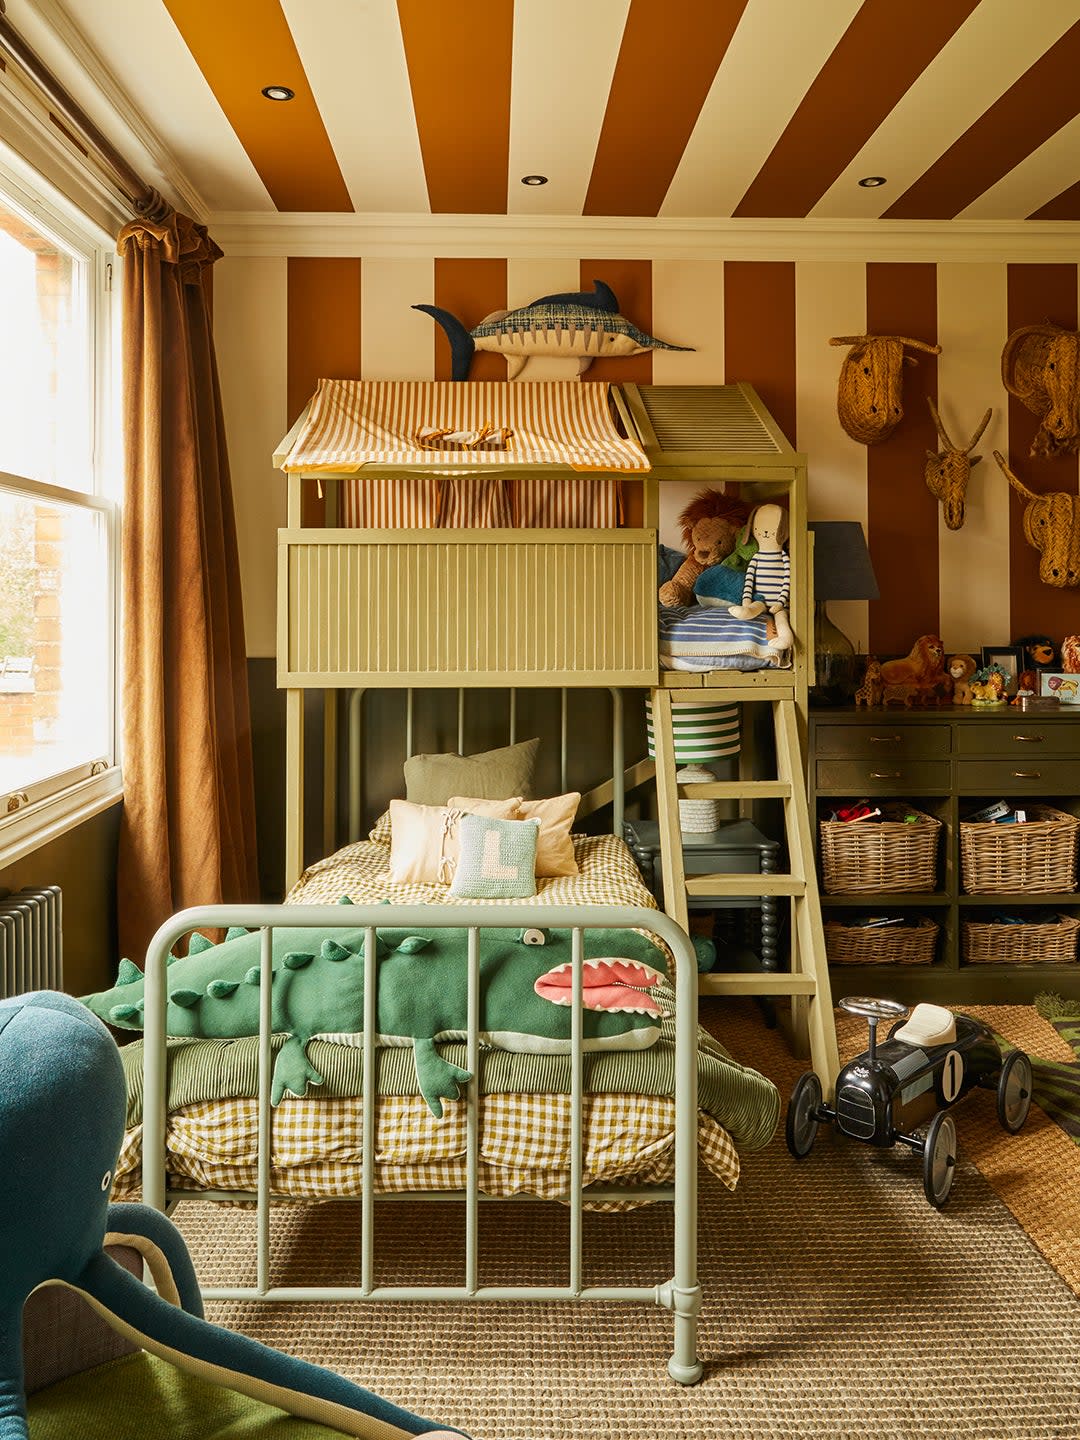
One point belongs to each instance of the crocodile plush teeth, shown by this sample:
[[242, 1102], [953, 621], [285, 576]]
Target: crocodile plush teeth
[[614, 985]]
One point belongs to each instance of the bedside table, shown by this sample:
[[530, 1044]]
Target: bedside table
[[737, 847]]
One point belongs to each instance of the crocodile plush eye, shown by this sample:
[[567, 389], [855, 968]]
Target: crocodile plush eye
[[534, 937], [106, 1181]]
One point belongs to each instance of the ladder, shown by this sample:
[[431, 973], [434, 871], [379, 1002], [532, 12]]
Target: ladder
[[807, 981]]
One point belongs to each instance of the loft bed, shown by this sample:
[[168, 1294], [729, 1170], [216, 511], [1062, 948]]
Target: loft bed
[[569, 607]]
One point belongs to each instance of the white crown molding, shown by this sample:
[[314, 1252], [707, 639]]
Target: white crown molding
[[60, 36], [663, 238]]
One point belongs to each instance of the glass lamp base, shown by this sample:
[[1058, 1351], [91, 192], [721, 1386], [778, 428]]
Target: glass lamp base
[[835, 662]]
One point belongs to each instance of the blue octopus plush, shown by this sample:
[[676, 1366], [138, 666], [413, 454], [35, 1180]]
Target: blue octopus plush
[[62, 1103]]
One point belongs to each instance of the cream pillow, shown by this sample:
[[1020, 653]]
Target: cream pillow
[[424, 840], [554, 847]]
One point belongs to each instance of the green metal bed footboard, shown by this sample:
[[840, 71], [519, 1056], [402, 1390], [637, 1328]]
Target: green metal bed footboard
[[680, 1292]]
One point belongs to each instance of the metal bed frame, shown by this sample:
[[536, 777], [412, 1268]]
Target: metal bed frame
[[680, 1293]]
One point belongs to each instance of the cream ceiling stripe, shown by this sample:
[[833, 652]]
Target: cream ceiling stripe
[[998, 42], [354, 57], [563, 60], [973, 582], [772, 60], [1038, 179], [251, 334], [830, 299], [395, 338]]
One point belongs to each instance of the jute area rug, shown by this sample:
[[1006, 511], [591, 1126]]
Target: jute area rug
[[837, 1303]]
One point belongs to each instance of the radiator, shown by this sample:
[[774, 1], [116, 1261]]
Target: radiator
[[31, 946]]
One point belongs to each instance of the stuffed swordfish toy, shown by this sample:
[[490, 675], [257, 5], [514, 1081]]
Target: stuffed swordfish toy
[[62, 1105]]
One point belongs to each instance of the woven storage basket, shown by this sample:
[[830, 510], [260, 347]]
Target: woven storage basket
[[891, 854], [881, 945], [1038, 856], [986, 943]]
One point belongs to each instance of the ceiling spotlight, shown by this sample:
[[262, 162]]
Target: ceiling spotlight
[[534, 179], [871, 182], [278, 92]]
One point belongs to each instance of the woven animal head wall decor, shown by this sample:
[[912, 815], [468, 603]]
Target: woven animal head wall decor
[[868, 400], [1040, 365], [1052, 525], [947, 471]]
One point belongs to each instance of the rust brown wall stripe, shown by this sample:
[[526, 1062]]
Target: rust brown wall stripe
[[1045, 98], [1036, 293], [323, 320], [759, 334], [471, 290], [459, 55], [875, 63], [902, 515], [631, 280], [240, 47], [669, 55]]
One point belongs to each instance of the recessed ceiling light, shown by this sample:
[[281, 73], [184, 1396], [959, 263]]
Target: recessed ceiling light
[[278, 92], [871, 182], [534, 179]]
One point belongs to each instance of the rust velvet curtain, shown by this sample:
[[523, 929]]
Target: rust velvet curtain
[[188, 830]]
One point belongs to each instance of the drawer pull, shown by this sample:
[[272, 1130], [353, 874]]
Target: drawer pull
[[885, 739], [884, 774], [1030, 739], [1027, 775]]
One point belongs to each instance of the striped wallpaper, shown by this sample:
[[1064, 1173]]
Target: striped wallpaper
[[284, 322]]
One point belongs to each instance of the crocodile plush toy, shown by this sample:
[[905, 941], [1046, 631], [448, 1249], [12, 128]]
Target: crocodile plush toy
[[525, 988]]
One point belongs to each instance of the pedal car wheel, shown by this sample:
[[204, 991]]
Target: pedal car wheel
[[801, 1126], [1014, 1091], [939, 1159]]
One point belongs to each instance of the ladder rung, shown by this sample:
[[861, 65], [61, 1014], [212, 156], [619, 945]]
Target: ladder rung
[[736, 790], [742, 982], [744, 885]]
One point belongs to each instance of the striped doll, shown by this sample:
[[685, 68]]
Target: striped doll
[[768, 574]]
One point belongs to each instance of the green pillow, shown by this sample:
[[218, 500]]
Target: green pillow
[[497, 859], [491, 775]]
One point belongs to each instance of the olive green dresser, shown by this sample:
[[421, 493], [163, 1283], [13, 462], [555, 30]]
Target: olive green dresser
[[947, 763]]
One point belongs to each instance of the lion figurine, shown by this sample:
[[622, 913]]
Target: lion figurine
[[919, 675], [1070, 655], [710, 529], [960, 669]]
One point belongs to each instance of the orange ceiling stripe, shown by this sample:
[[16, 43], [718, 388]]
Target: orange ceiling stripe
[[1044, 99], [883, 52], [459, 55], [240, 47], [1065, 206], [668, 59]]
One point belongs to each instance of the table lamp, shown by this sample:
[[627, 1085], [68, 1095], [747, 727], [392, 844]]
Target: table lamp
[[842, 571]]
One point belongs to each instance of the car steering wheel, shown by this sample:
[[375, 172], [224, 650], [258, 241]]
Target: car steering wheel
[[873, 1009]]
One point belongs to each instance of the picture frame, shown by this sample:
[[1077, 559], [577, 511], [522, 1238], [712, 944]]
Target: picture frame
[[1011, 660], [1060, 685]]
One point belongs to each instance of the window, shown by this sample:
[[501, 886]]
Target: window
[[58, 523]]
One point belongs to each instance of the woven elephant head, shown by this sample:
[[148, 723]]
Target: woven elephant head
[[868, 400], [1052, 525], [1040, 365], [947, 471]]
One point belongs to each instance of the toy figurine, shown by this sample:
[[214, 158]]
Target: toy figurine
[[988, 686], [917, 676], [1040, 652], [870, 691], [1070, 655], [960, 670], [768, 573]]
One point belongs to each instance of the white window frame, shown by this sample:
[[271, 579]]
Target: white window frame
[[31, 817]]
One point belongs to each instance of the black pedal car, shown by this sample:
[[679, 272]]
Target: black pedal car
[[923, 1067]]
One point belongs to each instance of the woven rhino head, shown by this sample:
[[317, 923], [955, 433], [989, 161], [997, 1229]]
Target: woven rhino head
[[1040, 365], [1052, 525], [869, 398]]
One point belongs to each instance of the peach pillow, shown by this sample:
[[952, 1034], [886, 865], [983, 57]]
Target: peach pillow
[[554, 848], [424, 842]]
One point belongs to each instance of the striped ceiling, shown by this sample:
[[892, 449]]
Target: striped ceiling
[[638, 108]]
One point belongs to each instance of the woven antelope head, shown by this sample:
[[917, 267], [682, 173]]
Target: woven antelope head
[[1040, 364], [868, 400], [1052, 525], [947, 471]]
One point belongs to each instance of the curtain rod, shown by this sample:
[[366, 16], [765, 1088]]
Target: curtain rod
[[143, 199]]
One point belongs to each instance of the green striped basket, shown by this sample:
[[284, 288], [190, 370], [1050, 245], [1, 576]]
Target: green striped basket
[[701, 732]]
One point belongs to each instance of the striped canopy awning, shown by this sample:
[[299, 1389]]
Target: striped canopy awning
[[352, 423]]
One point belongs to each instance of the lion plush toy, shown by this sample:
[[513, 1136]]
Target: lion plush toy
[[710, 529], [960, 669]]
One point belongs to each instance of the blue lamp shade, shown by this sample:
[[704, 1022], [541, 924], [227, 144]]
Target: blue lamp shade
[[701, 732]]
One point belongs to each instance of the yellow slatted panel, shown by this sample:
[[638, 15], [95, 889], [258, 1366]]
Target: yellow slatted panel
[[486, 607]]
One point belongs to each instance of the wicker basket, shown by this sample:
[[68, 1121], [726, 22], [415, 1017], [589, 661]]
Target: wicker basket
[[1039, 856], [891, 854], [881, 945], [987, 943]]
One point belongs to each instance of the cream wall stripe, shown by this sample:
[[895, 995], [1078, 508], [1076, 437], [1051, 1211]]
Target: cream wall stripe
[[1032, 183], [688, 309], [250, 334], [396, 339], [998, 42], [830, 299], [355, 61], [558, 137], [774, 56], [973, 563]]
